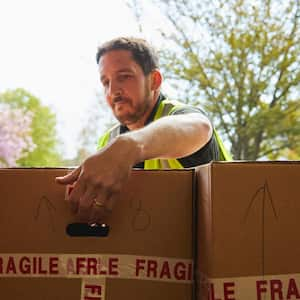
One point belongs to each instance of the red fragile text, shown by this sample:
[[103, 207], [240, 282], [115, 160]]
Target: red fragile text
[[93, 266], [92, 292], [153, 269], [36, 265], [123, 266], [226, 294], [277, 289], [265, 289]]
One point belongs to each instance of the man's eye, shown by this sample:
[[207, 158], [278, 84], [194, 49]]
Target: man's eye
[[124, 77], [105, 83]]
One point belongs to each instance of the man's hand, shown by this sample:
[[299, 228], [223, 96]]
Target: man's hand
[[98, 181]]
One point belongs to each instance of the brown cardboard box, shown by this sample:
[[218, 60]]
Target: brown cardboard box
[[147, 254], [248, 231]]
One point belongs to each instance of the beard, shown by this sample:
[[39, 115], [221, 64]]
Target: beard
[[137, 110]]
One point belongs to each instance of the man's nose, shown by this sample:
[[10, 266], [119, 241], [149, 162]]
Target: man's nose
[[114, 89]]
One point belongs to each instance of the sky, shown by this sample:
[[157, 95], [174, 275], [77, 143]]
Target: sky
[[48, 48]]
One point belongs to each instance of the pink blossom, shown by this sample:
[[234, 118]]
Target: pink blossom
[[15, 135]]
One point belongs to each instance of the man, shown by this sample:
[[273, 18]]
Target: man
[[180, 136]]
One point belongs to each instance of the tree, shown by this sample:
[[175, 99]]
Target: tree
[[15, 135], [43, 131], [240, 59]]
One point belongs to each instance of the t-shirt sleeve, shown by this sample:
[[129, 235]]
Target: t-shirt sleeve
[[208, 152]]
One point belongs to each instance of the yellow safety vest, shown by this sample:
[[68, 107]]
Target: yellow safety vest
[[165, 108]]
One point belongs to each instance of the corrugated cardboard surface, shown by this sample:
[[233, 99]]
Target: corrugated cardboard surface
[[152, 218], [248, 226]]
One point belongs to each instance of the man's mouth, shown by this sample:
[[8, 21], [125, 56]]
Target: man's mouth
[[119, 100]]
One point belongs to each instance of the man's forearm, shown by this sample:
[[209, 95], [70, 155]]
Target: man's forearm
[[169, 137]]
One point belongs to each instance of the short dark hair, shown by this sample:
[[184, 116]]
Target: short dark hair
[[142, 52]]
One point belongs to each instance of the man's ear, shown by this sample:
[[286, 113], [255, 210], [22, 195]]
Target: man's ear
[[156, 79]]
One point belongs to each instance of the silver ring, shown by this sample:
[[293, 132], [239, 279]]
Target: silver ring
[[98, 204]]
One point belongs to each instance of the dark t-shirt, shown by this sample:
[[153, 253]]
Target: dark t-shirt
[[209, 152]]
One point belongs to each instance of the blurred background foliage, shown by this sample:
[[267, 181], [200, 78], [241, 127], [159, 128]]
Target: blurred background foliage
[[43, 129], [240, 60]]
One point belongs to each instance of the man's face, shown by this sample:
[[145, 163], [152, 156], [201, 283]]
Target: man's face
[[127, 89]]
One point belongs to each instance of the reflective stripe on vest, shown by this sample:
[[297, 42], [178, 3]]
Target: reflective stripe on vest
[[223, 153], [108, 136]]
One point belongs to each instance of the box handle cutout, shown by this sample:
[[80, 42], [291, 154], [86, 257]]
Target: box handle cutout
[[85, 229]]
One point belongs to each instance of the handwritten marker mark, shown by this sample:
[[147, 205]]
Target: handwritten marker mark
[[50, 208]]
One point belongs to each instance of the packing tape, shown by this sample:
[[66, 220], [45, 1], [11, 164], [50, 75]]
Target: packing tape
[[267, 287], [94, 269], [93, 289], [97, 266]]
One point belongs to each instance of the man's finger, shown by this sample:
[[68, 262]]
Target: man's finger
[[86, 202], [102, 208], [69, 178], [76, 194], [99, 213]]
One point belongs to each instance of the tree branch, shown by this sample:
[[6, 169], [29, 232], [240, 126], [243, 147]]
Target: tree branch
[[283, 69], [286, 145], [188, 44]]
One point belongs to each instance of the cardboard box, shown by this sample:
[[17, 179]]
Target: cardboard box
[[248, 231], [147, 254]]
